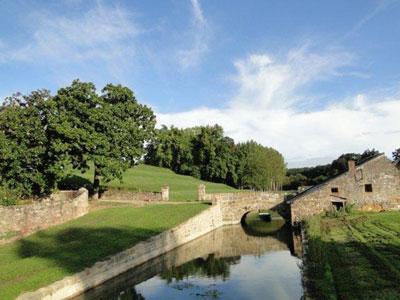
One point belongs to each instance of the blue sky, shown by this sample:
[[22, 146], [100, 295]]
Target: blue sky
[[313, 79]]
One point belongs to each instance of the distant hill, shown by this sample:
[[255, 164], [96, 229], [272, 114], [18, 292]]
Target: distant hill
[[150, 179]]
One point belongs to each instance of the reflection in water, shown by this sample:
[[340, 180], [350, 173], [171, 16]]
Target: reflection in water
[[232, 262]]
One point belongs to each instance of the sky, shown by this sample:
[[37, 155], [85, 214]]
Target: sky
[[313, 79]]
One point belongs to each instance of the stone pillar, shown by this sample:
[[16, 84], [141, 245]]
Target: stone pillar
[[201, 192], [165, 193]]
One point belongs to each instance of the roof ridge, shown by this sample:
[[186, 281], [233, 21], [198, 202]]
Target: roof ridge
[[316, 187]]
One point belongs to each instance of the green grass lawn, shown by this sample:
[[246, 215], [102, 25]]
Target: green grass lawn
[[354, 257], [52, 254], [150, 179]]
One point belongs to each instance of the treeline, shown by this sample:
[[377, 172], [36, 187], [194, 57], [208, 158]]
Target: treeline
[[44, 137], [309, 176], [206, 153]]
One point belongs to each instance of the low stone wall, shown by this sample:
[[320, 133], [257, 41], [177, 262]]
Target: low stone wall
[[100, 272], [131, 196], [21, 220], [236, 196]]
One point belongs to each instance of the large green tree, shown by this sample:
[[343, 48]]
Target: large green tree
[[259, 167], [214, 155], [107, 130], [27, 164]]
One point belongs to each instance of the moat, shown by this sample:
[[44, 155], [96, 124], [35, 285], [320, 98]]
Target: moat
[[232, 262]]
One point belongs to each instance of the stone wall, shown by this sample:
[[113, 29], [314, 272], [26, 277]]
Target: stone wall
[[100, 272], [235, 205], [132, 196], [227, 209], [380, 172], [21, 220], [227, 241]]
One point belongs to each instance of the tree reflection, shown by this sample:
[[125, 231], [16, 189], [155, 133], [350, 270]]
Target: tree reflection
[[209, 267]]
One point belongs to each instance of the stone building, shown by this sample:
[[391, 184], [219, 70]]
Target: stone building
[[371, 185]]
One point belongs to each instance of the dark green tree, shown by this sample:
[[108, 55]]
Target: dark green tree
[[27, 164], [107, 130], [214, 155], [259, 167]]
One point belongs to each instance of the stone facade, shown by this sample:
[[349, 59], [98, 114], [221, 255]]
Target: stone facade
[[21, 220], [131, 196], [374, 184]]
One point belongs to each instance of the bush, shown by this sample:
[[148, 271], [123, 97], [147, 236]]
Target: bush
[[343, 211], [8, 197]]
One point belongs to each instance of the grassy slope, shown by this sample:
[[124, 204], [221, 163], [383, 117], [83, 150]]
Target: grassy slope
[[354, 257], [150, 179], [52, 254]]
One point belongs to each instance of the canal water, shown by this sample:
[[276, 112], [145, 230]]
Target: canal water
[[232, 262]]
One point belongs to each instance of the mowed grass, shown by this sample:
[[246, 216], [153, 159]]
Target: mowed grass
[[147, 178], [50, 255], [354, 257]]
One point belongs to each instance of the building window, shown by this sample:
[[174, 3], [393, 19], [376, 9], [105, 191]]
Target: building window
[[368, 188], [334, 190]]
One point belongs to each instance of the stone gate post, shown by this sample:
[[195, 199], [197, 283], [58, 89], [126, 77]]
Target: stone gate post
[[201, 192], [165, 193]]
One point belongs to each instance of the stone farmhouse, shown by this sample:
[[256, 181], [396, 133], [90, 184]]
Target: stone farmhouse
[[371, 185]]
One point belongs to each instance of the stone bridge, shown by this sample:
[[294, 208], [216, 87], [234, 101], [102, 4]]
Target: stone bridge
[[234, 206]]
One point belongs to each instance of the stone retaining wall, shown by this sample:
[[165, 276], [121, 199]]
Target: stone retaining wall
[[100, 272], [236, 196], [132, 196], [21, 220]]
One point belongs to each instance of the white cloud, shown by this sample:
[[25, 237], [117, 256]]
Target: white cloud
[[198, 39], [104, 33], [266, 109]]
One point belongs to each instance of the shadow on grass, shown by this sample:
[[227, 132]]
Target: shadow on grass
[[74, 249]]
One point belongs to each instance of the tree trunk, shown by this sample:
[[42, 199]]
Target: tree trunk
[[96, 183]]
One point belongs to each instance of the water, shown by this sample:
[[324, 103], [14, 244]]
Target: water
[[230, 263]]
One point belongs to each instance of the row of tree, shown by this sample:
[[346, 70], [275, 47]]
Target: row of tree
[[42, 136], [315, 175], [205, 152]]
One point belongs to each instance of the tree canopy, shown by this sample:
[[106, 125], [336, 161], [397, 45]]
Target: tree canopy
[[42, 135], [107, 130], [206, 153]]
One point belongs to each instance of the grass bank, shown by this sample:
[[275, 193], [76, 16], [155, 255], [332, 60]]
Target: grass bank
[[52, 254], [354, 257], [150, 179]]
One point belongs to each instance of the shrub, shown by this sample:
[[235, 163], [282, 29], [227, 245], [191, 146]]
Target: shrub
[[8, 197]]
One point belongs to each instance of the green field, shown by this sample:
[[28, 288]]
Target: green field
[[147, 178], [354, 257], [52, 254]]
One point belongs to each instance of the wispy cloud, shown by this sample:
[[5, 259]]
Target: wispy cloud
[[197, 40], [267, 101], [104, 34], [267, 82], [381, 6]]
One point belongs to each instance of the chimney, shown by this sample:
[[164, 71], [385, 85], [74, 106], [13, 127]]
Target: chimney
[[352, 167]]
